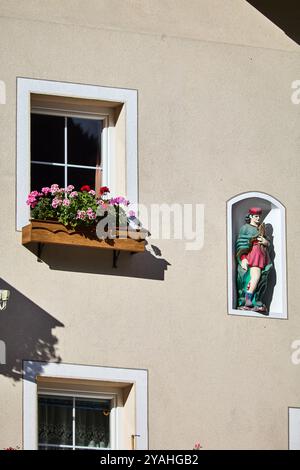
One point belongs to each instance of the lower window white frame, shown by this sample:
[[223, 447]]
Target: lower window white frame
[[35, 369]]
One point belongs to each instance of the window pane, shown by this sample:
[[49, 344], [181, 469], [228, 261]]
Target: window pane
[[55, 420], [45, 175], [92, 422], [79, 177], [84, 141], [47, 138]]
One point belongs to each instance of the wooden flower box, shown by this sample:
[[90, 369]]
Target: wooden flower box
[[53, 232]]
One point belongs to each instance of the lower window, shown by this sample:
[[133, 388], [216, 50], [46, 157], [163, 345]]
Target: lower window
[[68, 422]]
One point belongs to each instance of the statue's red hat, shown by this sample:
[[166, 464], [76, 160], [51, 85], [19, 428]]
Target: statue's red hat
[[255, 211]]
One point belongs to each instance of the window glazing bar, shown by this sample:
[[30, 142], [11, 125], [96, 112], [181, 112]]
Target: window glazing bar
[[66, 151], [69, 165]]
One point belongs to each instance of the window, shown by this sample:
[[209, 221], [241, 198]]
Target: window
[[70, 406], [66, 150], [75, 134], [68, 422]]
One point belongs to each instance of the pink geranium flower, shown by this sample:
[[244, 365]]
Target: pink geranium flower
[[54, 189], [197, 446], [91, 214], [119, 200], [81, 215], [32, 199], [46, 190], [56, 202]]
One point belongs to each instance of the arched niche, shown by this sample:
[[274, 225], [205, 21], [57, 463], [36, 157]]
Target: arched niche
[[273, 216]]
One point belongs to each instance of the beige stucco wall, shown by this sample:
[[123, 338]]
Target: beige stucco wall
[[215, 119]]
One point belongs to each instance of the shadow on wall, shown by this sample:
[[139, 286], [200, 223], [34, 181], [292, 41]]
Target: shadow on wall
[[25, 334], [285, 14], [147, 265]]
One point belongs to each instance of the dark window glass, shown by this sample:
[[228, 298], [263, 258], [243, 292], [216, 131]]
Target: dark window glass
[[45, 175], [47, 138], [84, 141], [92, 422], [55, 421], [44, 447], [79, 177], [48, 145]]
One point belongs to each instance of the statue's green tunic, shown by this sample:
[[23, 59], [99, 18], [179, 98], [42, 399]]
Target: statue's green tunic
[[247, 235]]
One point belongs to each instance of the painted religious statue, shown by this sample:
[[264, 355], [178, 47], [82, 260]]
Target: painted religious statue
[[253, 263]]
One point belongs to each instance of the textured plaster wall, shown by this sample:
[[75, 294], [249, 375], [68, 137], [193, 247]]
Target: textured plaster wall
[[215, 119]]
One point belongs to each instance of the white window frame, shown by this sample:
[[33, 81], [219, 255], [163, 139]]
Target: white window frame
[[26, 86], [113, 417], [35, 369]]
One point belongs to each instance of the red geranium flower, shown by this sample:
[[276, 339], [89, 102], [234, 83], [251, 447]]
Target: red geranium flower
[[85, 188], [103, 190]]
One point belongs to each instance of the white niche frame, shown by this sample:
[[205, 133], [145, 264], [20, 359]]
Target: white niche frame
[[237, 208]]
